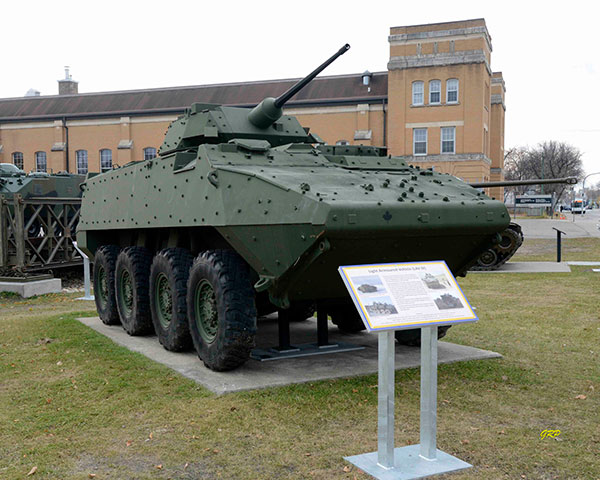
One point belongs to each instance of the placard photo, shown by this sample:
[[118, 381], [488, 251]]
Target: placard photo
[[406, 295]]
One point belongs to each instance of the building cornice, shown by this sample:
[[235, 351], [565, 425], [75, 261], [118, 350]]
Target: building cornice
[[439, 60], [435, 35], [498, 99]]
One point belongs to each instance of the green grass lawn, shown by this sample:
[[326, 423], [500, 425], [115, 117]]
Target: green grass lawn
[[75, 405]]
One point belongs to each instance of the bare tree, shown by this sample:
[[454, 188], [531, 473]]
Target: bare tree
[[549, 159]]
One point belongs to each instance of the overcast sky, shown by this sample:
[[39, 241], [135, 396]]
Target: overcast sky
[[548, 51]]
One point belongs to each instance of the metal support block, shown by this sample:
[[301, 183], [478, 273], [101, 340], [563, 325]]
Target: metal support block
[[286, 350], [86, 275]]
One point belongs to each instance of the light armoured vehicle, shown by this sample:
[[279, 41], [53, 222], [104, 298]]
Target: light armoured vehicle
[[245, 212]]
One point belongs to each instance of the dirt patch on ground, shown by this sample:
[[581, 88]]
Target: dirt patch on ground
[[138, 466]]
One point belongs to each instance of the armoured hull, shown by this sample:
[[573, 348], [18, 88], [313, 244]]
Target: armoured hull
[[246, 212], [294, 212]]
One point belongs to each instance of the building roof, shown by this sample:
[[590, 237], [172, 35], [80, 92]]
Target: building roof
[[326, 90]]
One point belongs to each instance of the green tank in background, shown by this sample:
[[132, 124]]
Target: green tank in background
[[245, 212], [37, 184], [14, 181], [36, 210], [512, 237]]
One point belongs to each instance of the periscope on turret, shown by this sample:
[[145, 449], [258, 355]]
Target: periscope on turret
[[245, 212]]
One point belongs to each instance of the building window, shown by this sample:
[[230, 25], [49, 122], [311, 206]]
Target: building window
[[435, 92], [149, 153], [452, 90], [40, 162], [82, 161], [420, 141], [105, 160], [417, 93], [448, 139], [17, 158], [342, 142]]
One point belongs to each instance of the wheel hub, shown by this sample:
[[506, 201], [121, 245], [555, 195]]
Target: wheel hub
[[206, 315], [487, 258], [126, 291], [163, 300]]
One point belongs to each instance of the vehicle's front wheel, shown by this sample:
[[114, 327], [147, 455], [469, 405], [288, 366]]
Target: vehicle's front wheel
[[168, 285], [221, 309], [132, 271]]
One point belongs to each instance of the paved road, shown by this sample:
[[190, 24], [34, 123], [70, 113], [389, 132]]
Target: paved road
[[577, 227]]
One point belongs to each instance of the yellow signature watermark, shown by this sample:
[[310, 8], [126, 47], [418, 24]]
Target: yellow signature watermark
[[549, 433]]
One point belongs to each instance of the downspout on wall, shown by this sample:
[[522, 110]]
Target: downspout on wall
[[383, 102], [64, 121]]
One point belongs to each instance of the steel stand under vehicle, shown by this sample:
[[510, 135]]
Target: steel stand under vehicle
[[286, 349]]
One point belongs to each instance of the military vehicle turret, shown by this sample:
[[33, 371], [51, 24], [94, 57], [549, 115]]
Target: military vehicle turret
[[245, 212]]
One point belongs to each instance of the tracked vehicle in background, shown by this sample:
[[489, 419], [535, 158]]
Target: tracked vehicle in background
[[512, 237], [245, 212]]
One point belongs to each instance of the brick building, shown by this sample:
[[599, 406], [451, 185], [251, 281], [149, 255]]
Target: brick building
[[438, 104]]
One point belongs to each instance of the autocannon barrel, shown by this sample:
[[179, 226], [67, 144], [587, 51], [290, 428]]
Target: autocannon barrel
[[284, 97], [270, 109], [516, 183]]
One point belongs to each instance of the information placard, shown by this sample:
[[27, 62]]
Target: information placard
[[395, 296]]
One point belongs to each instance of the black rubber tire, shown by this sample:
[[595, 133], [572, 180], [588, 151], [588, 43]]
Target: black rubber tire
[[172, 266], [347, 319], [133, 263], [223, 279], [103, 279], [412, 337]]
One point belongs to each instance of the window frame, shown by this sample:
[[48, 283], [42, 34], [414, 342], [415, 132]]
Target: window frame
[[442, 140], [41, 155], [104, 168], [448, 90], [415, 130], [21, 160], [422, 93], [439, 91], [81, 155], [146, 156]]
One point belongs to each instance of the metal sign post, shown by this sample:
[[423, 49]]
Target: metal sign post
[[413, 461], [86, 275], [379, 293]]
